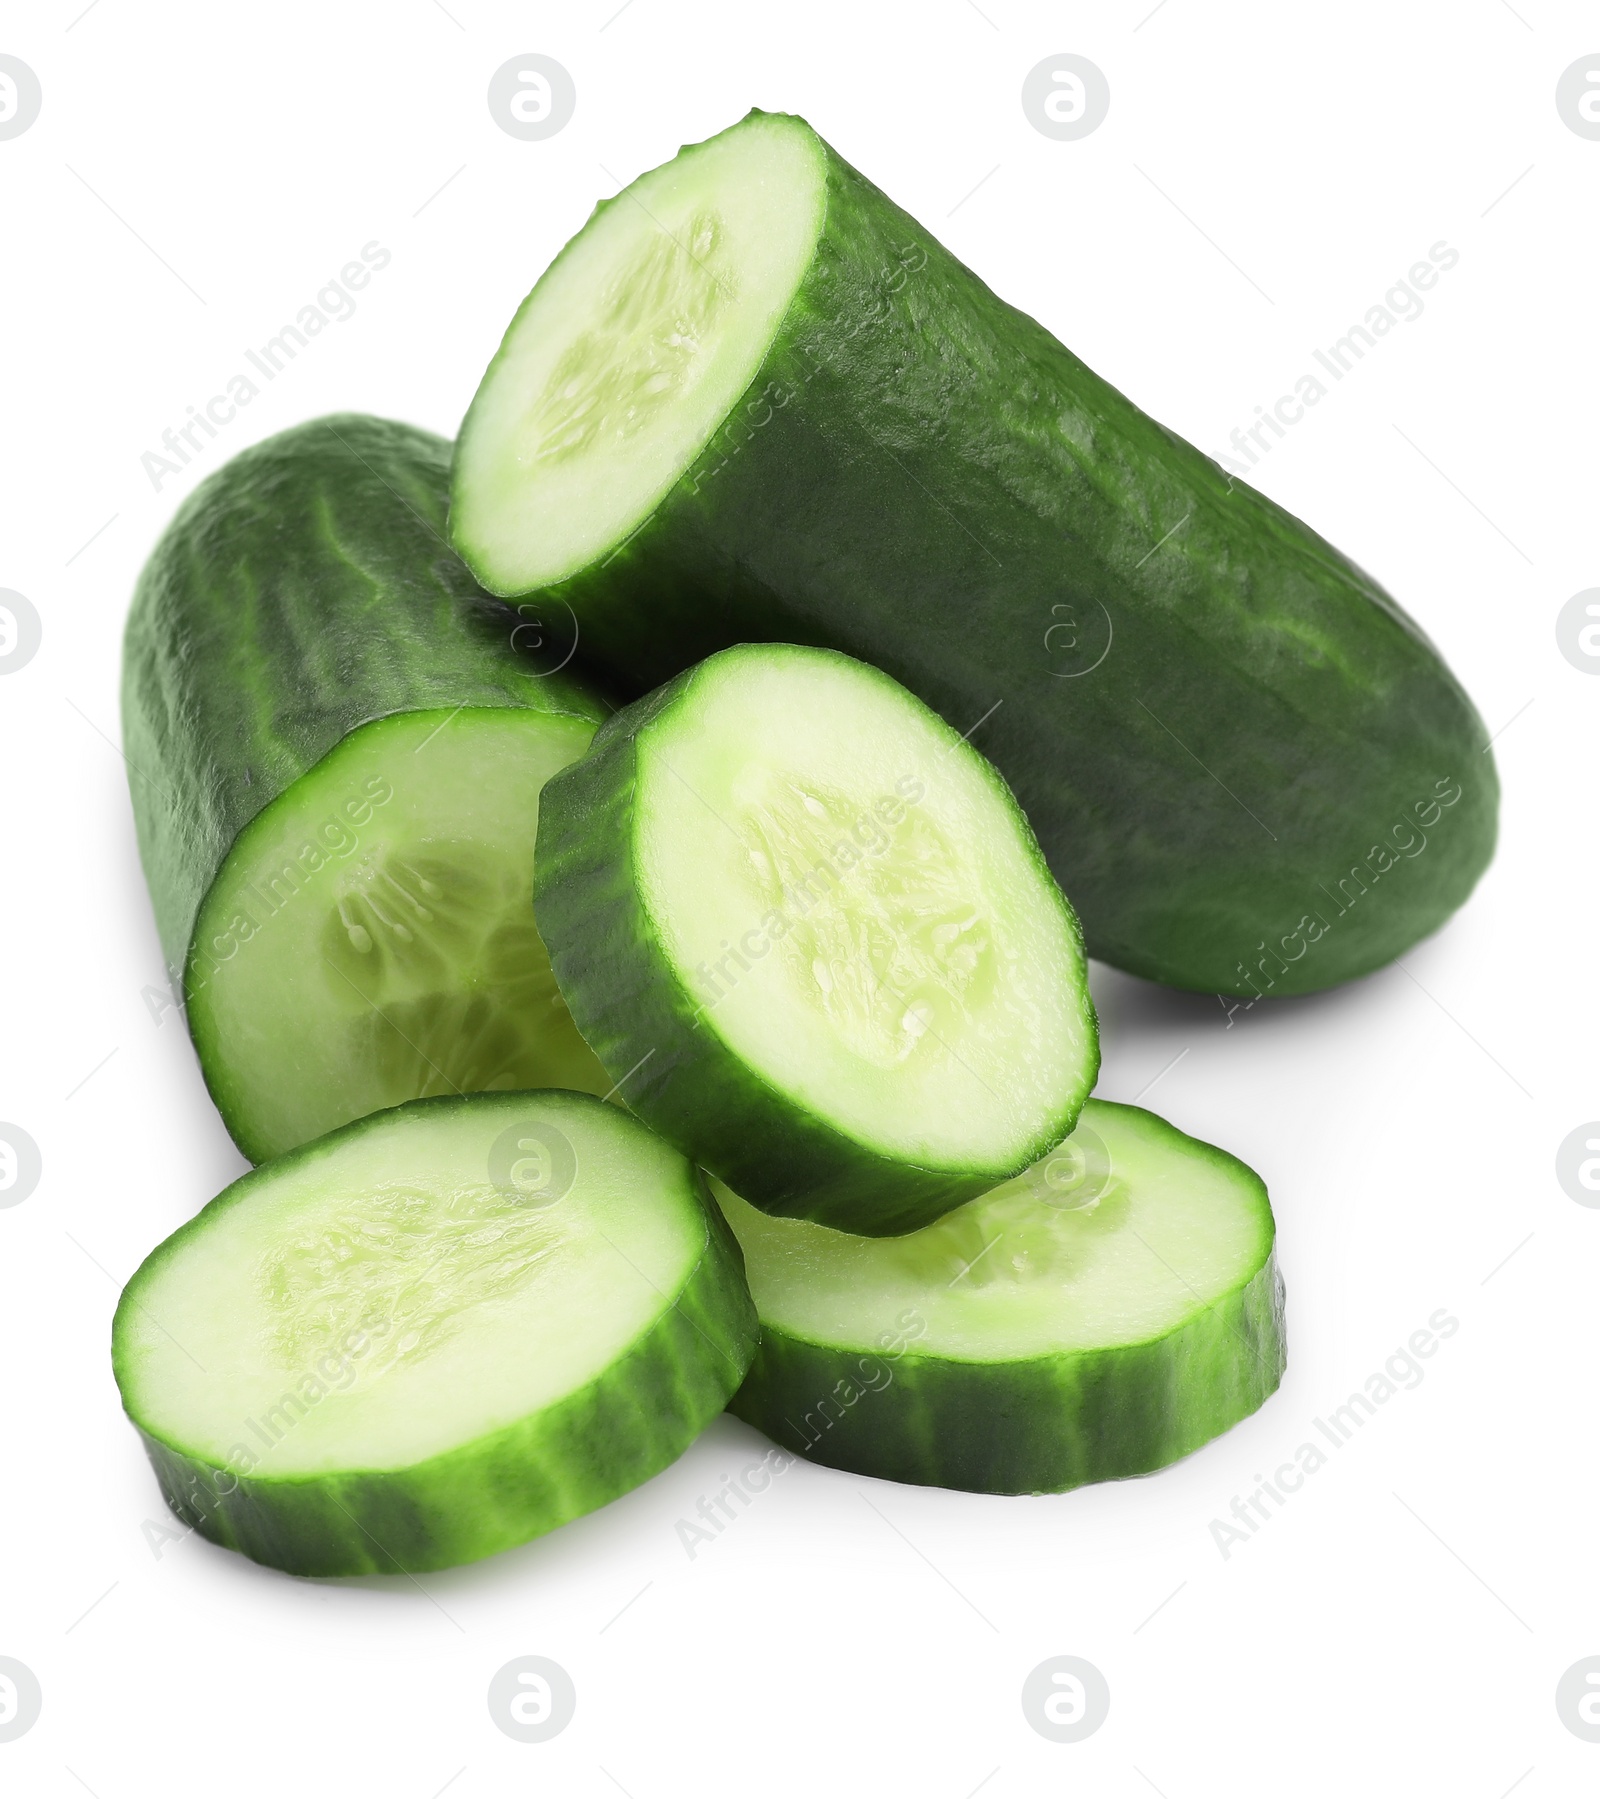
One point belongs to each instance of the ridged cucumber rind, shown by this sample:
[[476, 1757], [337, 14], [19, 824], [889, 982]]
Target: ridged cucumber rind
[[1271, 784], [634, 1009], [1038, 1424], [1044, 1425], [604, 1439]]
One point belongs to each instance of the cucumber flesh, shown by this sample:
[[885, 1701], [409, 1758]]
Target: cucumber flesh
[[630, 352], [1099, 1316], [433, 1334], [370, 938], [810, 931]]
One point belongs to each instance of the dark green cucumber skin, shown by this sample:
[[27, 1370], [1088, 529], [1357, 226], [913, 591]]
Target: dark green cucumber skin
[[507, 1488], [304, 589], [673, 1070], [922, 476], [1043, 1425]]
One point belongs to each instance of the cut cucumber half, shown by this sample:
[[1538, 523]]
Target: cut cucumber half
[[754, 399], [433, 1334], [630, 352], [336, 745], [1100, 1316], [808, 932]]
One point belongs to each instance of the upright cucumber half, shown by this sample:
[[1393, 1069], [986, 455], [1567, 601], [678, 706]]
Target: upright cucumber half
[[433, 1334], [336, 744], [809, 934], [753, 399], [1101, 1316]]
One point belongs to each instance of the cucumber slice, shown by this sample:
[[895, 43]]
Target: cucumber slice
[[808, 931], [433, 1334], [755, 399], [1100, 1316], [337, 743]]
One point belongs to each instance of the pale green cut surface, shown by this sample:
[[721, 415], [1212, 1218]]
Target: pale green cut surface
[[910, 971], [1118, 1236], [380, 1300], [630, 351], [371, 939]]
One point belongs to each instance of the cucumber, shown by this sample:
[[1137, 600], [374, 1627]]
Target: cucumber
[[336, 744], [433, 1334], [809, 928], [753, 399], [1102, 1315]]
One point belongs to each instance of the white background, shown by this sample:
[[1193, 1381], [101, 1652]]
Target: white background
[[1265, 174]]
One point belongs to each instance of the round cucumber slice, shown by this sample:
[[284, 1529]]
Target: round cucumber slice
[[1100, 1316], [433, 1334], [370, 937], [807, 930]]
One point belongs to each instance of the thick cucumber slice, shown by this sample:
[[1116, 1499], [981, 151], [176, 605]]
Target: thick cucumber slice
[[807, 930], [433, 1334], [1102, 1315], [753, 399], [337, 744]]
